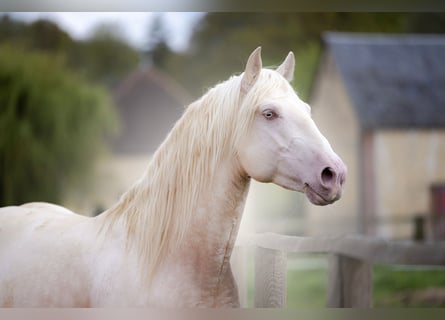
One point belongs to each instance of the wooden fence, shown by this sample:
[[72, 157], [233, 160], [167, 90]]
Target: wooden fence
[[350, 258]]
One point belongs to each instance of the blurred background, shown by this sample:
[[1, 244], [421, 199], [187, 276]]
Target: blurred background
[[86, 98]]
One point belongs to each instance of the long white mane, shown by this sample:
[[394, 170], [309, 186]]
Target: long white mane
[[157, 210]]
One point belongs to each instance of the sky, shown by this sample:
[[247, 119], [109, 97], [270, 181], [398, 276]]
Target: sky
[[134, 25]]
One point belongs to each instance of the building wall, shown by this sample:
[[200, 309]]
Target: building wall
[[334, 116], [407, 163], [114, 175]]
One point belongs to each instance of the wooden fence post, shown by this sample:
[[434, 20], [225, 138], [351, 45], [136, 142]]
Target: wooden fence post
[[270, 278], [349, 283], [238, 263]]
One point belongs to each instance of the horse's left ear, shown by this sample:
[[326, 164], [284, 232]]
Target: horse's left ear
[[286, 69], [253, 69]]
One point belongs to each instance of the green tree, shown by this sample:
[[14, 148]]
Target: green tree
[[105, 57], [52, 124], [41, 35], [157, 48], [47, 36]]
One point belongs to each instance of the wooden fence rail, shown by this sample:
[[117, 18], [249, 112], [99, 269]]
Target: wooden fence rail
[[350, 261]]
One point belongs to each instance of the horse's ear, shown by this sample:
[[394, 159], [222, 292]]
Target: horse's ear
[[253, 69], [286, 69]]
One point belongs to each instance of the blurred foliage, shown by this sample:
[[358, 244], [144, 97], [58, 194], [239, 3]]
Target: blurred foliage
[[105, 56], [40, 35], [54, 110], [157, 48], [52, 124], [223, 41]]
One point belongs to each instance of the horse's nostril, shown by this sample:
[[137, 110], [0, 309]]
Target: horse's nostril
[[328, 176]]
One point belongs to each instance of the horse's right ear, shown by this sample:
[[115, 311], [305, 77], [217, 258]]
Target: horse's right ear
[[286, 69], [253, 69]]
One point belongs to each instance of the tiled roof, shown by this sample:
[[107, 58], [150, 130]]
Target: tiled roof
[[394, 81]]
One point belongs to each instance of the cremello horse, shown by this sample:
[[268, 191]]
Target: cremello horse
[[168, 240]]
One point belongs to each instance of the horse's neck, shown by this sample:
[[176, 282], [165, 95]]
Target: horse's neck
[[218, 214], [212, 229], [208, 244]]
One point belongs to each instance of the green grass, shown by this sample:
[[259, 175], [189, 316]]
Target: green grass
[[307, 281], [408, 287], [394, 286], [306, 289]]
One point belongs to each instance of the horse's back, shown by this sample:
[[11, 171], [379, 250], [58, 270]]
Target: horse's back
[[33, 210], [46, 207], [30, 218]]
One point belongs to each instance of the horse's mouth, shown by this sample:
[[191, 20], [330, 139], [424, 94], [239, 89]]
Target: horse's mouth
[[316, 198]]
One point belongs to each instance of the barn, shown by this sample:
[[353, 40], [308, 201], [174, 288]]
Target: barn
[[149, 102], [380, 101]]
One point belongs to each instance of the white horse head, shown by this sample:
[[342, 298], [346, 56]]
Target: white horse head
[[283, 145]]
